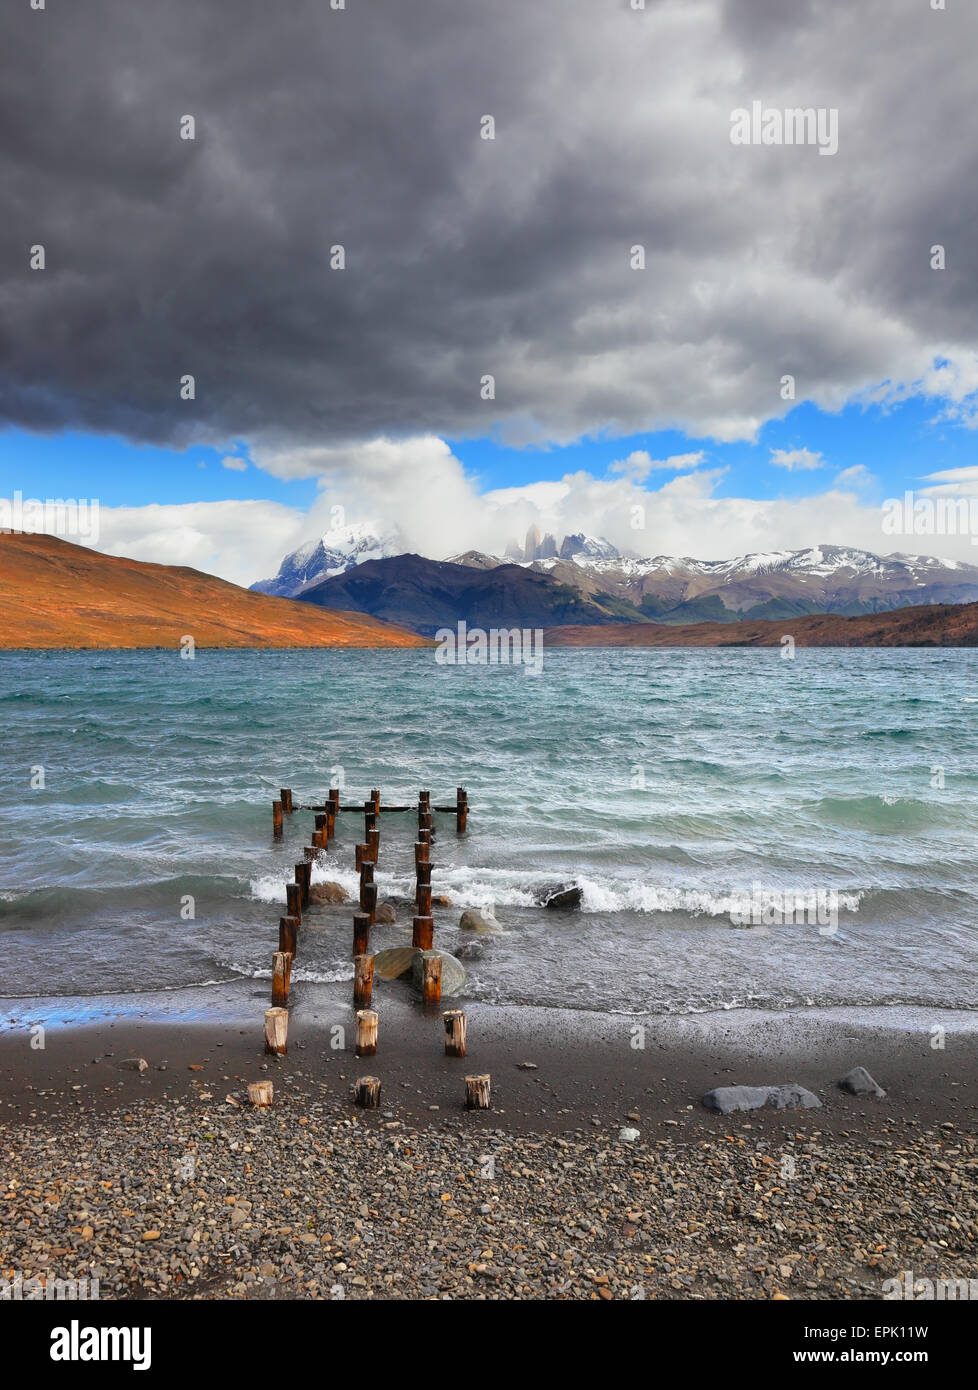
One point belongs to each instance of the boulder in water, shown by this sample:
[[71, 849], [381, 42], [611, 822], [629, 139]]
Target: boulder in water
[[474, 919], [563, 899], [385, 914], [394, 962], [471, 950], [328, 893], [728, 1099], [441, 900], [452, 972]]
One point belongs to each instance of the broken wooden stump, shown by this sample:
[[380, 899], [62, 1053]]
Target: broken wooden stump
[[431, 978], [260, 1093], [366, 1092], [461, 810], [363, 979], [454, 1021], [277, 819], [286, 795], [367, 1029], [477, 1092], [276, 1030]]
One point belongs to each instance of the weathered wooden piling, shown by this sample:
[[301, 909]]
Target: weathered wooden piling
[[368, 899], [276, 1030], [363, 978], [454, 1021], [366, 1092], [281, 978], [431, 979], [260, 1093], [423, 933], [367, 1029], [373, 844], [375, 798], [303, 877], [286, 795], [277, 819], [293, 900], [477, 1090], [288, 935], [424, 900], [361, 933], [461, 810], [423, 889], [366, 883], [369, 816]]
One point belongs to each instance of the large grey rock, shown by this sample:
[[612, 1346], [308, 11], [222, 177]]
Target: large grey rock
[[728, 1099], [452, 972], [385, 914], [474, 919], [858, 1082]]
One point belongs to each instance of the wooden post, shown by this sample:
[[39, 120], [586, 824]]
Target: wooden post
[[369, 816], [477, 1092], [375, 798], [423, 872], [261, 1092], [366, 1032], [303, 877], [277, 819], [330, 821], [363, 980], [366, 1092], [424, 799], [360, 853], [286, 795], [276, 1030], [424, 820], [422, 852], [454, 1020], [423, 934], [322, 826], [424, 899], [293, 899], [334, 799], [281, 978], [361, 934], [366, 883], [461, 810], [373, 844], [368, 899], [288, 935], [431, 979]]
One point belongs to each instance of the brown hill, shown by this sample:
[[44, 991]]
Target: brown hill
[[55, 594], [937, 625]]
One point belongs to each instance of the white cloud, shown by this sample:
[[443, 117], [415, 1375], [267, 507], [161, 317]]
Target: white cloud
[[857, 476], [639, 464], [235, 464], [796, 460]]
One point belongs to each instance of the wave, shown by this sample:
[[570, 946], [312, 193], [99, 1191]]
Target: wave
[[882, 814]]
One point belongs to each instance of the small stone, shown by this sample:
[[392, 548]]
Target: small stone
[[858, 1082], [134, 1064], [628, 1136]]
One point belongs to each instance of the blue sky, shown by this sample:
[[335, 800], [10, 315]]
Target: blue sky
[[899, 446]]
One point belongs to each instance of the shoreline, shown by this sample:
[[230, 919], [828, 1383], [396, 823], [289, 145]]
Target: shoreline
[[167, 1184], [587, 1066]]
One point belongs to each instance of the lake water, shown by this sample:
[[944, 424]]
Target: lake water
[[675, 787]]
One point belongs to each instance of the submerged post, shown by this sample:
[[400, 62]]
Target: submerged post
[[461, 810]]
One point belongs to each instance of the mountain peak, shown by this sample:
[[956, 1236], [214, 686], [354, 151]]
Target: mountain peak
[[336, 551]]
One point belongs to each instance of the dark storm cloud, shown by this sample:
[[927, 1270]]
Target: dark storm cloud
[[464, 256]]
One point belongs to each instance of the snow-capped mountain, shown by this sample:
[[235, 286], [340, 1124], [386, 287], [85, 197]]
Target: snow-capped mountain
[[335, 552], [766, 584]]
